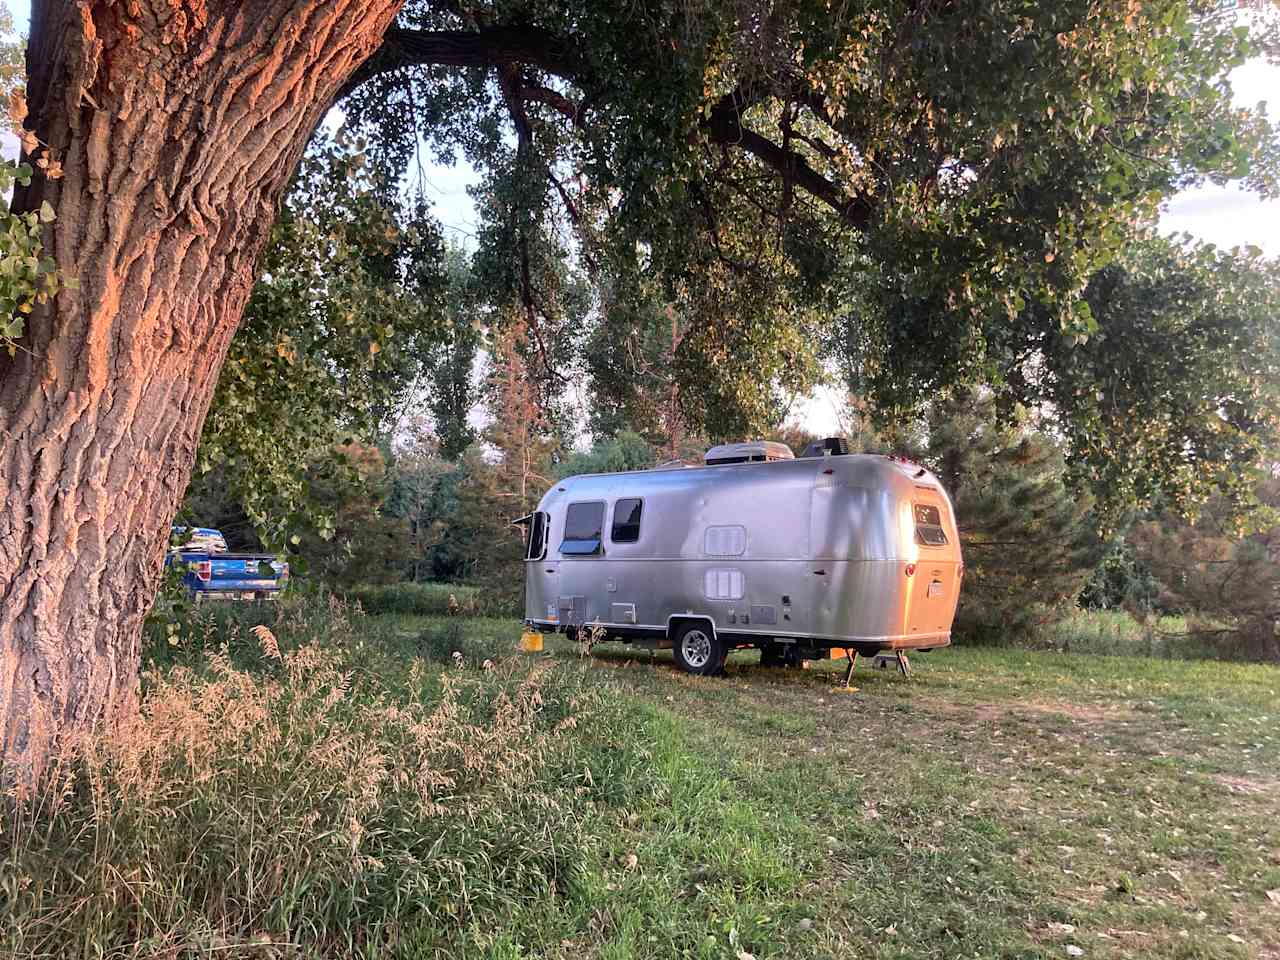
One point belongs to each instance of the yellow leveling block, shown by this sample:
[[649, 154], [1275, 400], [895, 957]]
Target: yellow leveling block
[[530, 642]]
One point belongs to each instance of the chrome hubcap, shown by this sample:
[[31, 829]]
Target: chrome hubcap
[[696, 648]]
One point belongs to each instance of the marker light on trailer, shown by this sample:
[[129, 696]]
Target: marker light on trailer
[[911, 569]]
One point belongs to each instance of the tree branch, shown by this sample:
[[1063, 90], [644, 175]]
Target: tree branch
[[489, 47], [512, 47], [725, 127], [511, 84], [553, 98]]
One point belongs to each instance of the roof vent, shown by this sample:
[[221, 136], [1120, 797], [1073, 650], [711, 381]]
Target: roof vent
[[754, 451], [833, 446], [669, 465]]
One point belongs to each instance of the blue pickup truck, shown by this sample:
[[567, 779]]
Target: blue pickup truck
[[214, 574]]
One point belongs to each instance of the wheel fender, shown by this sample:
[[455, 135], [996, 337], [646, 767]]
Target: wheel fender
[[678, 620]]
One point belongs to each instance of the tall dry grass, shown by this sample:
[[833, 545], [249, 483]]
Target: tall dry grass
[[301, 798]]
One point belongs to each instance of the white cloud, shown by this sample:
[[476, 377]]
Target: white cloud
[[1226, 216], [1230, 216]]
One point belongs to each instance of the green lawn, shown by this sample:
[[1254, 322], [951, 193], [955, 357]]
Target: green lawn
[[997, 803]]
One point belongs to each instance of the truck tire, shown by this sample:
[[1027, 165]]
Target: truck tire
[[698, 650]]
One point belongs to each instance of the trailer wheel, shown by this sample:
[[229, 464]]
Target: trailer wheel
[[697, 650]]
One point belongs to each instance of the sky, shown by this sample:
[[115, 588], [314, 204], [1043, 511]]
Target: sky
[[1226, 216]]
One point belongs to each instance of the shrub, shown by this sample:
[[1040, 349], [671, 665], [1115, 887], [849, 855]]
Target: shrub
[[1121, 581], [434, 600], [1221, 567], [1028, 539]]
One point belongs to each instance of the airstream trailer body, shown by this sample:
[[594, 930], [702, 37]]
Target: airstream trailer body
[[797, 556]]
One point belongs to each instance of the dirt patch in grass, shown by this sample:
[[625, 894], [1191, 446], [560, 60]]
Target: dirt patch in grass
[[1250, 786], [990, 712]]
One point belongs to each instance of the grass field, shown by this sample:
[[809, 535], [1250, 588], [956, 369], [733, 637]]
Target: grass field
[[996, 804]]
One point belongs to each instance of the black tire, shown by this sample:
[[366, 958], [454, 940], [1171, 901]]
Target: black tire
[[698, 650]]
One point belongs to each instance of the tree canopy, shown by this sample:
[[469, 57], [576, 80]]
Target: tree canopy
[[701, 207], [1176, 396], [926, 192], [347, 314]]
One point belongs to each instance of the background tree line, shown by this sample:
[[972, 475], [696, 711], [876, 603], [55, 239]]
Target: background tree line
[[410, 463]]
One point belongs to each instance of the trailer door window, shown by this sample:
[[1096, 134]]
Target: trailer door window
[[929, 530], [583, 528], [626, 521], [722, 584], [537, 536]]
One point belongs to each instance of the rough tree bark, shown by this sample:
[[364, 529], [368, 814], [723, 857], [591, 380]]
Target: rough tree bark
[[178, 123]]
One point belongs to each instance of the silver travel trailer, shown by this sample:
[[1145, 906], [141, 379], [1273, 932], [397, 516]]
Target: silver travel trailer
[[829, 554]]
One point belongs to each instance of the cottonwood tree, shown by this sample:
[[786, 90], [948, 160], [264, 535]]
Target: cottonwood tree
[[177, 126], [762, 163], [1176, 398], [452, 360]]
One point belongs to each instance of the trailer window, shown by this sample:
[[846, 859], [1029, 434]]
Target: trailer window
[[583, 528], [537, 546], [626, 521], [929, 530]]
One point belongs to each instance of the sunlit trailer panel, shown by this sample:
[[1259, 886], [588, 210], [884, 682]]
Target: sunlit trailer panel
[[795, 556]]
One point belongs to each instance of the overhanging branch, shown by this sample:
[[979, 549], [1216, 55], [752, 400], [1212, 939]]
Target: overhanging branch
[[535, 93], [490, 47], [509, 49]]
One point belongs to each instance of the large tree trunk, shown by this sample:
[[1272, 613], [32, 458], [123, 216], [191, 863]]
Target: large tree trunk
[[178, 123]]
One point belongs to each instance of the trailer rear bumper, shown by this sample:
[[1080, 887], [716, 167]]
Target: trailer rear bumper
[[919, 641]]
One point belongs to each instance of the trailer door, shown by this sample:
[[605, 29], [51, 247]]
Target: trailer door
[[581, 551], [541, 576]]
